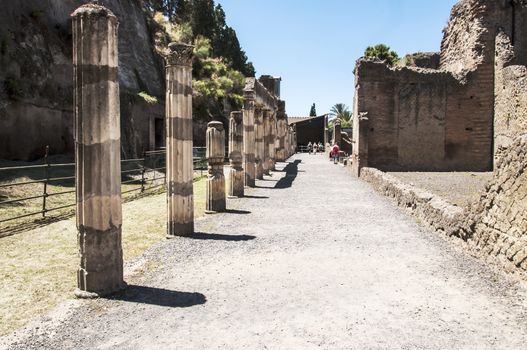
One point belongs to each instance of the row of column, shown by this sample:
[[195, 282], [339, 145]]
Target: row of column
[[258, 138]]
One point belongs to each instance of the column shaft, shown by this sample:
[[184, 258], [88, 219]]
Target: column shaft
[[249, 143], [215, 137], [236, 173], [180, 171], [97, 151]]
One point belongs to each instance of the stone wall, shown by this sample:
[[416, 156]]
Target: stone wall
[[424, 119], [497, 225], [493, 228], [443, 119], [510, 117]]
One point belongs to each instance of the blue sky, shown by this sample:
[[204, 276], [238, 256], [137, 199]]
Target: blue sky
[[313, 45]]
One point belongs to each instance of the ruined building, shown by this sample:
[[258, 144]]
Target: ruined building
[[457, 114]]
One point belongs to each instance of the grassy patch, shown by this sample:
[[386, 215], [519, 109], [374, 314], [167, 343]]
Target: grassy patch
[[38, 267]]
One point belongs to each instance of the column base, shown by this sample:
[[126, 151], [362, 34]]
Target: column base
[[180, 229], [83, 294]]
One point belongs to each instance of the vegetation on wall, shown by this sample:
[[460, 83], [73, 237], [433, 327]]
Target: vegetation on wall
[[220, 65], [382, 52]]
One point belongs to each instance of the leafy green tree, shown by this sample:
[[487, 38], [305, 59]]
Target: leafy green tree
[[383, 53], [313, 111], [341, 111]]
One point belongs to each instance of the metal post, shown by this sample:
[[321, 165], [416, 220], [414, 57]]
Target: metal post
[[143, 173]]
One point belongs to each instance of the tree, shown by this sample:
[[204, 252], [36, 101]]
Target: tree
[[313, 111], [341, 111], [383, 53]]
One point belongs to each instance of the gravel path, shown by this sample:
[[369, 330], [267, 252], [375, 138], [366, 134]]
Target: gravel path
[[312, 259]]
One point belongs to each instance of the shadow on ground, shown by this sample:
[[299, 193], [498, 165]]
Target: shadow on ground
[[220, 237], [237, 211], [159, 297], [291, 172]]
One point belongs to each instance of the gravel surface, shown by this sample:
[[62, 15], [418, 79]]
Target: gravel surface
[[459, 188], [313, 258]]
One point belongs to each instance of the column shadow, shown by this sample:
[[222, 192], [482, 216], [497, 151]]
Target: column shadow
[[158, 296], [237, 211], [220, 237], [291, 172]]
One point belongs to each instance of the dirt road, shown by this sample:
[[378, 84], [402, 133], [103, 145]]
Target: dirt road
[[313, 258]]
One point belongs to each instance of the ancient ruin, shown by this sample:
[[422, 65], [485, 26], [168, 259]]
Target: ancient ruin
[[180, 168], [97, 156], [216, 201], [466, 111], [236, 180]]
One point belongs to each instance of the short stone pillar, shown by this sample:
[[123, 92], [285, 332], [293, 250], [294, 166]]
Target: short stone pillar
[[272, 142], [337, 133], [266, 134], [236, 173], [216, 201], [97, 151], [249, 143], [180, 170], [259, 134]]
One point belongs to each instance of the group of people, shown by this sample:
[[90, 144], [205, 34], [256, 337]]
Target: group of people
[[315, 147], [334, 151]]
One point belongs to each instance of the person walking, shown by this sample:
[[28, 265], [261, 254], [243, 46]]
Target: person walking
[[315, 148], [309, 147], [335, 150]]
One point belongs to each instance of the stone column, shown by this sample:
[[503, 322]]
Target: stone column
[[281, 132], [249, 143], [266, 134], [97, 151], [337, 136], [236, 173], [259, 134], [180, 171], [215, 179], [272, 142]]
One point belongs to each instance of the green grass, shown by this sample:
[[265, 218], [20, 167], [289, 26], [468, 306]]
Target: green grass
[[38, 267]]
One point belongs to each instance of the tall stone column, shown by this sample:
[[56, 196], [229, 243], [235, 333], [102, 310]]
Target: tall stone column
[[266, 134], [259, 134], [281, 131], [249, 143], [337, 135], [272, 142], [216, 201], [97, 151], [236, 173], [180, 172]]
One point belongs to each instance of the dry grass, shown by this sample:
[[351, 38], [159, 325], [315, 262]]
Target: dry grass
[[38, 267]]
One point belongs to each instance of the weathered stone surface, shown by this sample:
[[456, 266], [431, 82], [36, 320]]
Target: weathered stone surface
[[216, 201], [259, 142], [180, 170], [97, 151], [495, 227], [249, 141], [236, 173]]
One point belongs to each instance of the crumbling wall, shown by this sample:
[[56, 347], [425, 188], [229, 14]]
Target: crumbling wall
[[424, 119], [497, 225], [437, 119], [510, 117]]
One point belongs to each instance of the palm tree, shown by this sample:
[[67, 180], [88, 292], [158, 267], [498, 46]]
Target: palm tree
[[341, 111]]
